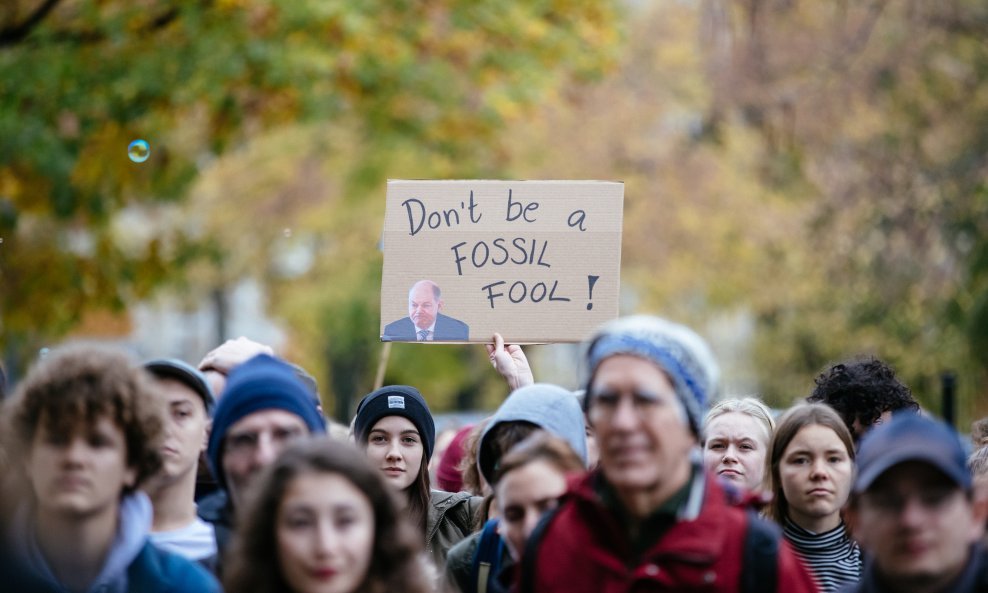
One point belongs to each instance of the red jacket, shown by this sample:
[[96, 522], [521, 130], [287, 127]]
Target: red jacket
[[585, 549]]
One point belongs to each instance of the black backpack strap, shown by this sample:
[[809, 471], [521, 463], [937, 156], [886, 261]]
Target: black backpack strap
[[760, 564], [526, 582]]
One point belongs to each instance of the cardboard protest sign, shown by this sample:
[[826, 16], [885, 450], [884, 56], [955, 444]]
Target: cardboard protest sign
[[536, 261]]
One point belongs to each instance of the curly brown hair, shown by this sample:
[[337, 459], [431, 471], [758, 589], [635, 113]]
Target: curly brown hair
[[251, 564], [862, 389], [74, 386]]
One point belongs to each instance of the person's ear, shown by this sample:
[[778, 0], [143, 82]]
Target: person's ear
[[205, 434], [130, 478], [440, 304], [979, 511]]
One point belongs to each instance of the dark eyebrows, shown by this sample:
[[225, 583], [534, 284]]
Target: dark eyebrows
[[385, 432]]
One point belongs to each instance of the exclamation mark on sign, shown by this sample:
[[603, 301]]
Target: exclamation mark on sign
[[591, 280]]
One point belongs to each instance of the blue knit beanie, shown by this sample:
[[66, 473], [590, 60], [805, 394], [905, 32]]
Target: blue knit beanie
[[261, 383], [676, 349], [396, 400]]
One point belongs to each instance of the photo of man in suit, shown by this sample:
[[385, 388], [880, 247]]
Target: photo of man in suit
[[425, 323]]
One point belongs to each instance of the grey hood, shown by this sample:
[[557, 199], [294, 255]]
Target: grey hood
[[550, 407]]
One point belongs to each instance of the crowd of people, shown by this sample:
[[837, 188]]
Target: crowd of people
[[159, 476]]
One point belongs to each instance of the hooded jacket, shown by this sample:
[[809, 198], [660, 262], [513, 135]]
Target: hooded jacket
[[133, 564], [450, 519], [547, 406]]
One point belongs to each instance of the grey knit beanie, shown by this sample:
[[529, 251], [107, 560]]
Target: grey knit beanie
[[676, 349]]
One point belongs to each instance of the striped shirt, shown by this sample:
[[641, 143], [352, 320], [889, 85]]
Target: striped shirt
[[832, 557]]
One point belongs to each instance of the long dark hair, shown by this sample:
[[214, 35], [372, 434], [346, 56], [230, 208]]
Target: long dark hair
[[797, 418], [251, 565], [420, 497], [419, 492]]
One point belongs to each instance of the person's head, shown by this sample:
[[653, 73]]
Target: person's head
[[529, 481], [977, 463], [473, 480], [320, 519], [540, 405], [979, 433], [189, 402], [811, 462], [449, 476], [864, 391], [912, 507], [87, 426], [593, 450], [736, 437], [424, 303], [264, 408], [216, 381], [649, 380], [396, 429]]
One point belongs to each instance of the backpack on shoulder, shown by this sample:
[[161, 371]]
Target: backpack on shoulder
[[487, 559]]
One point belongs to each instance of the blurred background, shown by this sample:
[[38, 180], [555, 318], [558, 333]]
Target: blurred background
[[805, 180]]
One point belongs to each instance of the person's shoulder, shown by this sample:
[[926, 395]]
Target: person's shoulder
[[442, 499], [397, 323], [212, 508], [400, 329], [452, 320], [448, 328], [158, 571], [456, 508], [459, 560]]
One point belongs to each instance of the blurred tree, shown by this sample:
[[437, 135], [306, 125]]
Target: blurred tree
[[282, 119], [818, 167], [875, 113]]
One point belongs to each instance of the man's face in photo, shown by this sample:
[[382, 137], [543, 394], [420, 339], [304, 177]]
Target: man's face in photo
[[423, 306]]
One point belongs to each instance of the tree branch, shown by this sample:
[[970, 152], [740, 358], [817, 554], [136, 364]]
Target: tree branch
[[94, 36], [12, 35]]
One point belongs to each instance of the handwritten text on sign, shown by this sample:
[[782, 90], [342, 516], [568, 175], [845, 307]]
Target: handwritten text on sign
[[508, 247]]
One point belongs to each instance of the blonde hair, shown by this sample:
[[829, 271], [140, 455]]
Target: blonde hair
[[749, 405]]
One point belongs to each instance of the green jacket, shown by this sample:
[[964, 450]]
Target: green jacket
[[452, 517]]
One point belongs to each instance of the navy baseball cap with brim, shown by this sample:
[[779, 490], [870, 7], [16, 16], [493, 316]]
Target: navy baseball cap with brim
[[186, 374], [910, 436]]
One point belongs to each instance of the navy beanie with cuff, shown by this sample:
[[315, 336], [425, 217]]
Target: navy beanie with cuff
[[261, 383], [396, 400]]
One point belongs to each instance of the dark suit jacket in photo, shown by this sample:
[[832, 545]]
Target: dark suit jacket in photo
[[447, 328]]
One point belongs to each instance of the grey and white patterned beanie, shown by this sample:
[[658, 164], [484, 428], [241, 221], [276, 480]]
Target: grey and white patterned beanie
[[676, 349]]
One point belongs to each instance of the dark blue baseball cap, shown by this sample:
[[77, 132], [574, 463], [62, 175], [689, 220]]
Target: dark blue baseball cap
[[910, 436]]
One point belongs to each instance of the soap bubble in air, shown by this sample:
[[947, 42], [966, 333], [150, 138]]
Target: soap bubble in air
[[287, 233], [138, 151]]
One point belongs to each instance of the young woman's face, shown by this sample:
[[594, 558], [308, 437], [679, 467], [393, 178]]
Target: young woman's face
[[815, 474], [395, 447], [735, 449], [523, 495], [80, 474], [324, 532]]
